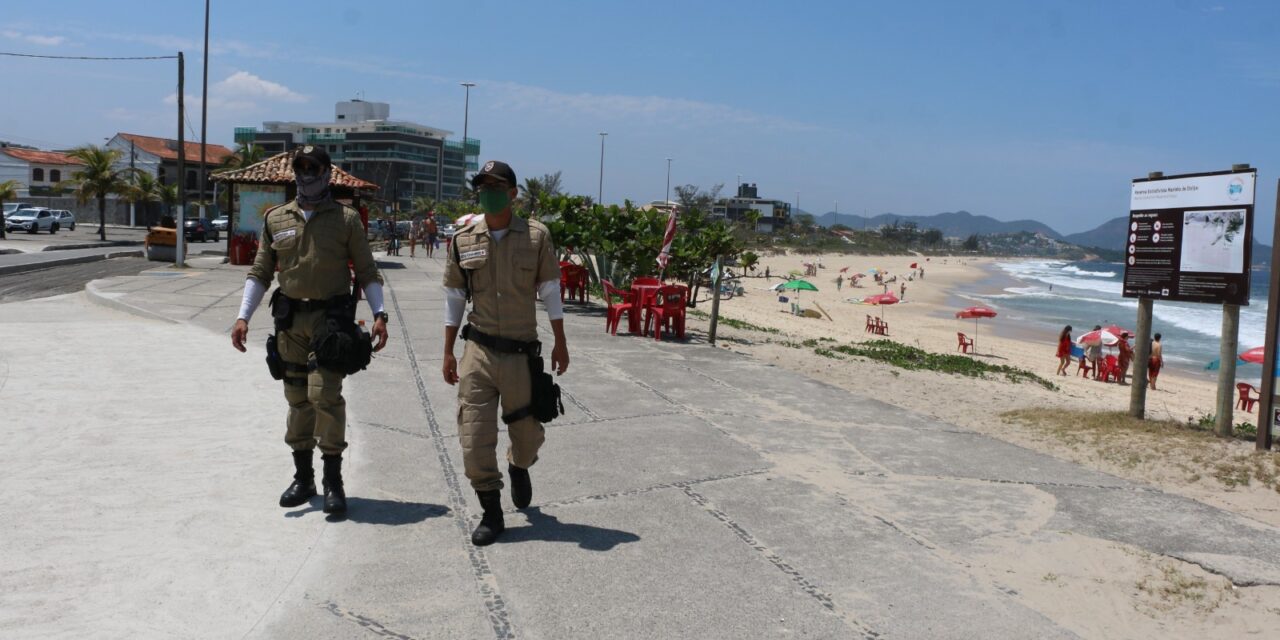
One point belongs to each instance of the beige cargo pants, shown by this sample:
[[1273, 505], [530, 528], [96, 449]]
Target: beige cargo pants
[[317, 411], [489, 380]]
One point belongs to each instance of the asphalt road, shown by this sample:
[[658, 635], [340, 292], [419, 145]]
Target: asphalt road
[[55, 281]]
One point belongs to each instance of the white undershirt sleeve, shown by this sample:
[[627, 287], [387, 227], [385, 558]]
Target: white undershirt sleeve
[[254, 289], [549, 291], [373, 293], [455, 304]]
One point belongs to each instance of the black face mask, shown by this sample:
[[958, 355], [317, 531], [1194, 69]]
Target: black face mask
[[313, 184]]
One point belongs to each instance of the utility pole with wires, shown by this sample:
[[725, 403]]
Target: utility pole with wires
[[204, 110], [180, 232]]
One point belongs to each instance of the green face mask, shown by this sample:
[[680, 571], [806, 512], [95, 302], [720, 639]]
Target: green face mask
[[494, 202]]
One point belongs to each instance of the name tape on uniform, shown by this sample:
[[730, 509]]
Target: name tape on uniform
[[478, 253], [281, 235]]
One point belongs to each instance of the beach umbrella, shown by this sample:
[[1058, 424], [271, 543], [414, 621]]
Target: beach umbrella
[[880, 300], [873, 270], [1117, 330], [1098, 336], [1254, 355], [799, 285], [979, 311], [467, 219]]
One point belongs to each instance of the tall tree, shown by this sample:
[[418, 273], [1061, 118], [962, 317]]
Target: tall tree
[[97, 178], [8, 191], [143, 189], [690, 197], [244, 156], [535, 189]]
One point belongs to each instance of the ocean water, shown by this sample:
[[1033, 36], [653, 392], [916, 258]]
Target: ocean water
[[1042, 296]]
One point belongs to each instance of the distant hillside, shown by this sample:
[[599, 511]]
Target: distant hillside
[[959, 224], [1111, 235]]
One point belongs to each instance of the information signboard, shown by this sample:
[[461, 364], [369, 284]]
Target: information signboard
[[255, 199], [1190, 237]]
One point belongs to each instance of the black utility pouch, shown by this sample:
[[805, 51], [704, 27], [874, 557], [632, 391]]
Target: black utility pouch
[[546, 402], [275, 364], [281, 311]]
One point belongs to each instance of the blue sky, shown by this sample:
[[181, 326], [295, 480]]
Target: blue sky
[[1041, 110]]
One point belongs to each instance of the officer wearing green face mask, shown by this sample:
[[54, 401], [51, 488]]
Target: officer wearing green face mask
[[500, 263]]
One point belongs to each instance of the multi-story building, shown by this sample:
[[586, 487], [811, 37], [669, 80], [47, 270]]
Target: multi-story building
[[404, 158], [159, 157], [773, 213]]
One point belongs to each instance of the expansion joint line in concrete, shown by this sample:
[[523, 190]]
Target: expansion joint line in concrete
[[212, 304], [806, 585], [649, 489], [486, 582]]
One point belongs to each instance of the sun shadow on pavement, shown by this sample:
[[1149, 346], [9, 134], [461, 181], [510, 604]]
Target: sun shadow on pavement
[[550, 529], [374, 511]]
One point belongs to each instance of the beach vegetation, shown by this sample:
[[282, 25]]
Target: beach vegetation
[[1188, 446], [913, 358]]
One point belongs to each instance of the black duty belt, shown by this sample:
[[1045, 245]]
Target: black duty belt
[[503, 345]]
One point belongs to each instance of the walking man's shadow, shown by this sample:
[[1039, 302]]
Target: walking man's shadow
[[375, 511], [547, 527]]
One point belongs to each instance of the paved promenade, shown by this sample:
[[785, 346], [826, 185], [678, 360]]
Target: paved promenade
[[688, 493]]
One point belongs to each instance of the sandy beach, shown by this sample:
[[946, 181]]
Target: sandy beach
[[925, 319]]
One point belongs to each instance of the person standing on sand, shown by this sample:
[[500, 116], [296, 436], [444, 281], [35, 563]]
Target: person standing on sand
[[1126, 356], [903, 292], [1154, 362], [1094, 353], [1064, 350], [839, 281]]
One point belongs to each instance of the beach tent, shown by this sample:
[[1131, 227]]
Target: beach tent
[[976, 312]]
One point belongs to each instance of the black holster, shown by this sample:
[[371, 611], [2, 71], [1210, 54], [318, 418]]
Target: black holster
[[275, 364], [281, 310]]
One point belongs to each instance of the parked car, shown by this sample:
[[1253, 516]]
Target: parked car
[[33, 220], [221, 223], [11, 207], [200, 229], [448, 230], [66, 219]]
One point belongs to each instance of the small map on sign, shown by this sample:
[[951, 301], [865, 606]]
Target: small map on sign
[[1213, 241]]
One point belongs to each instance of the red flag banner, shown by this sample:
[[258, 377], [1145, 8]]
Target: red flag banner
[[667, 238]]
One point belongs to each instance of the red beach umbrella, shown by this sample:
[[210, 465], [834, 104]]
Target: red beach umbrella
[[881, 299], [979, 311], [1117, 330], [1099, 336], [1253, 355]]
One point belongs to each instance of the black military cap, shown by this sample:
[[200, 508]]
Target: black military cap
[[315, 153], [496, 169]]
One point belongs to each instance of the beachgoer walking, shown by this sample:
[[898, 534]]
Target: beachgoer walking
[[1094, 353], [1154, 362], [1126, 356], [1064, 350], [433, 234], [766, 273], [839, 281], [902, 292]]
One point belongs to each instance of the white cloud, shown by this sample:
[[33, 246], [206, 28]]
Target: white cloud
[[48, 41], [241, 91], [654, 109]]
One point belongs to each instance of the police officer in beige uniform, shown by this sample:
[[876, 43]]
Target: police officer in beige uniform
[[309, 242], [503, 262]]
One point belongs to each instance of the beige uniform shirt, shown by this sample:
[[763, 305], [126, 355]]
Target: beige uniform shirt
[[504, 275], [311, 255]]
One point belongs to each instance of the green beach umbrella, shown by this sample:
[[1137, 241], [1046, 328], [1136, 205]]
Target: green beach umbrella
[[799, 285]]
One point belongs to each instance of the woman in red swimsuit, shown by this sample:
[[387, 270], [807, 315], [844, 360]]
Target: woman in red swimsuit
[[1154, 362], [1064, 350]]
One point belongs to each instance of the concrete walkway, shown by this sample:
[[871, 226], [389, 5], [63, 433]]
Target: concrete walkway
[[689, 492]]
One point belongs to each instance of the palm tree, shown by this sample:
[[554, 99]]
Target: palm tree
[[423, 204], [97, 178], [143, 188], [531, 191], [8, 191], [753, 219], [167, 194], [244, 156]]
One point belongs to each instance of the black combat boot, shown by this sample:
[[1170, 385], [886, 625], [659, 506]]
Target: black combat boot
[[335, 498], [521, 487], [304, 481], [491, 525]]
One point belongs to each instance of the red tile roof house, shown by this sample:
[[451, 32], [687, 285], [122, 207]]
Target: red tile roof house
[[159, 157], [37, 171]]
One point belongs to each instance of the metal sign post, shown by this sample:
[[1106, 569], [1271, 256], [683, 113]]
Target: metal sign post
[[1267, 405]]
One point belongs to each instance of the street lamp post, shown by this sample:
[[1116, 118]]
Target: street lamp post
[[668, 198], [600, 191], [466, 120]]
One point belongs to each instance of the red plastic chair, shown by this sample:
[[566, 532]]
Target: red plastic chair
[[882, 327], [582, 278], [667, 311], [615, 309], [871, 324], [1246, 401], [1110, 369], [965, 343], [1084, 369], [646, 280], [565, 281]]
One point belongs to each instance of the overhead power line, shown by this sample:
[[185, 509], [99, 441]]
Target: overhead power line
[[32, 55]]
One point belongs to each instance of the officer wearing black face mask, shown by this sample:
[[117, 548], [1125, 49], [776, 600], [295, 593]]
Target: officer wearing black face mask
[[308, 243]]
